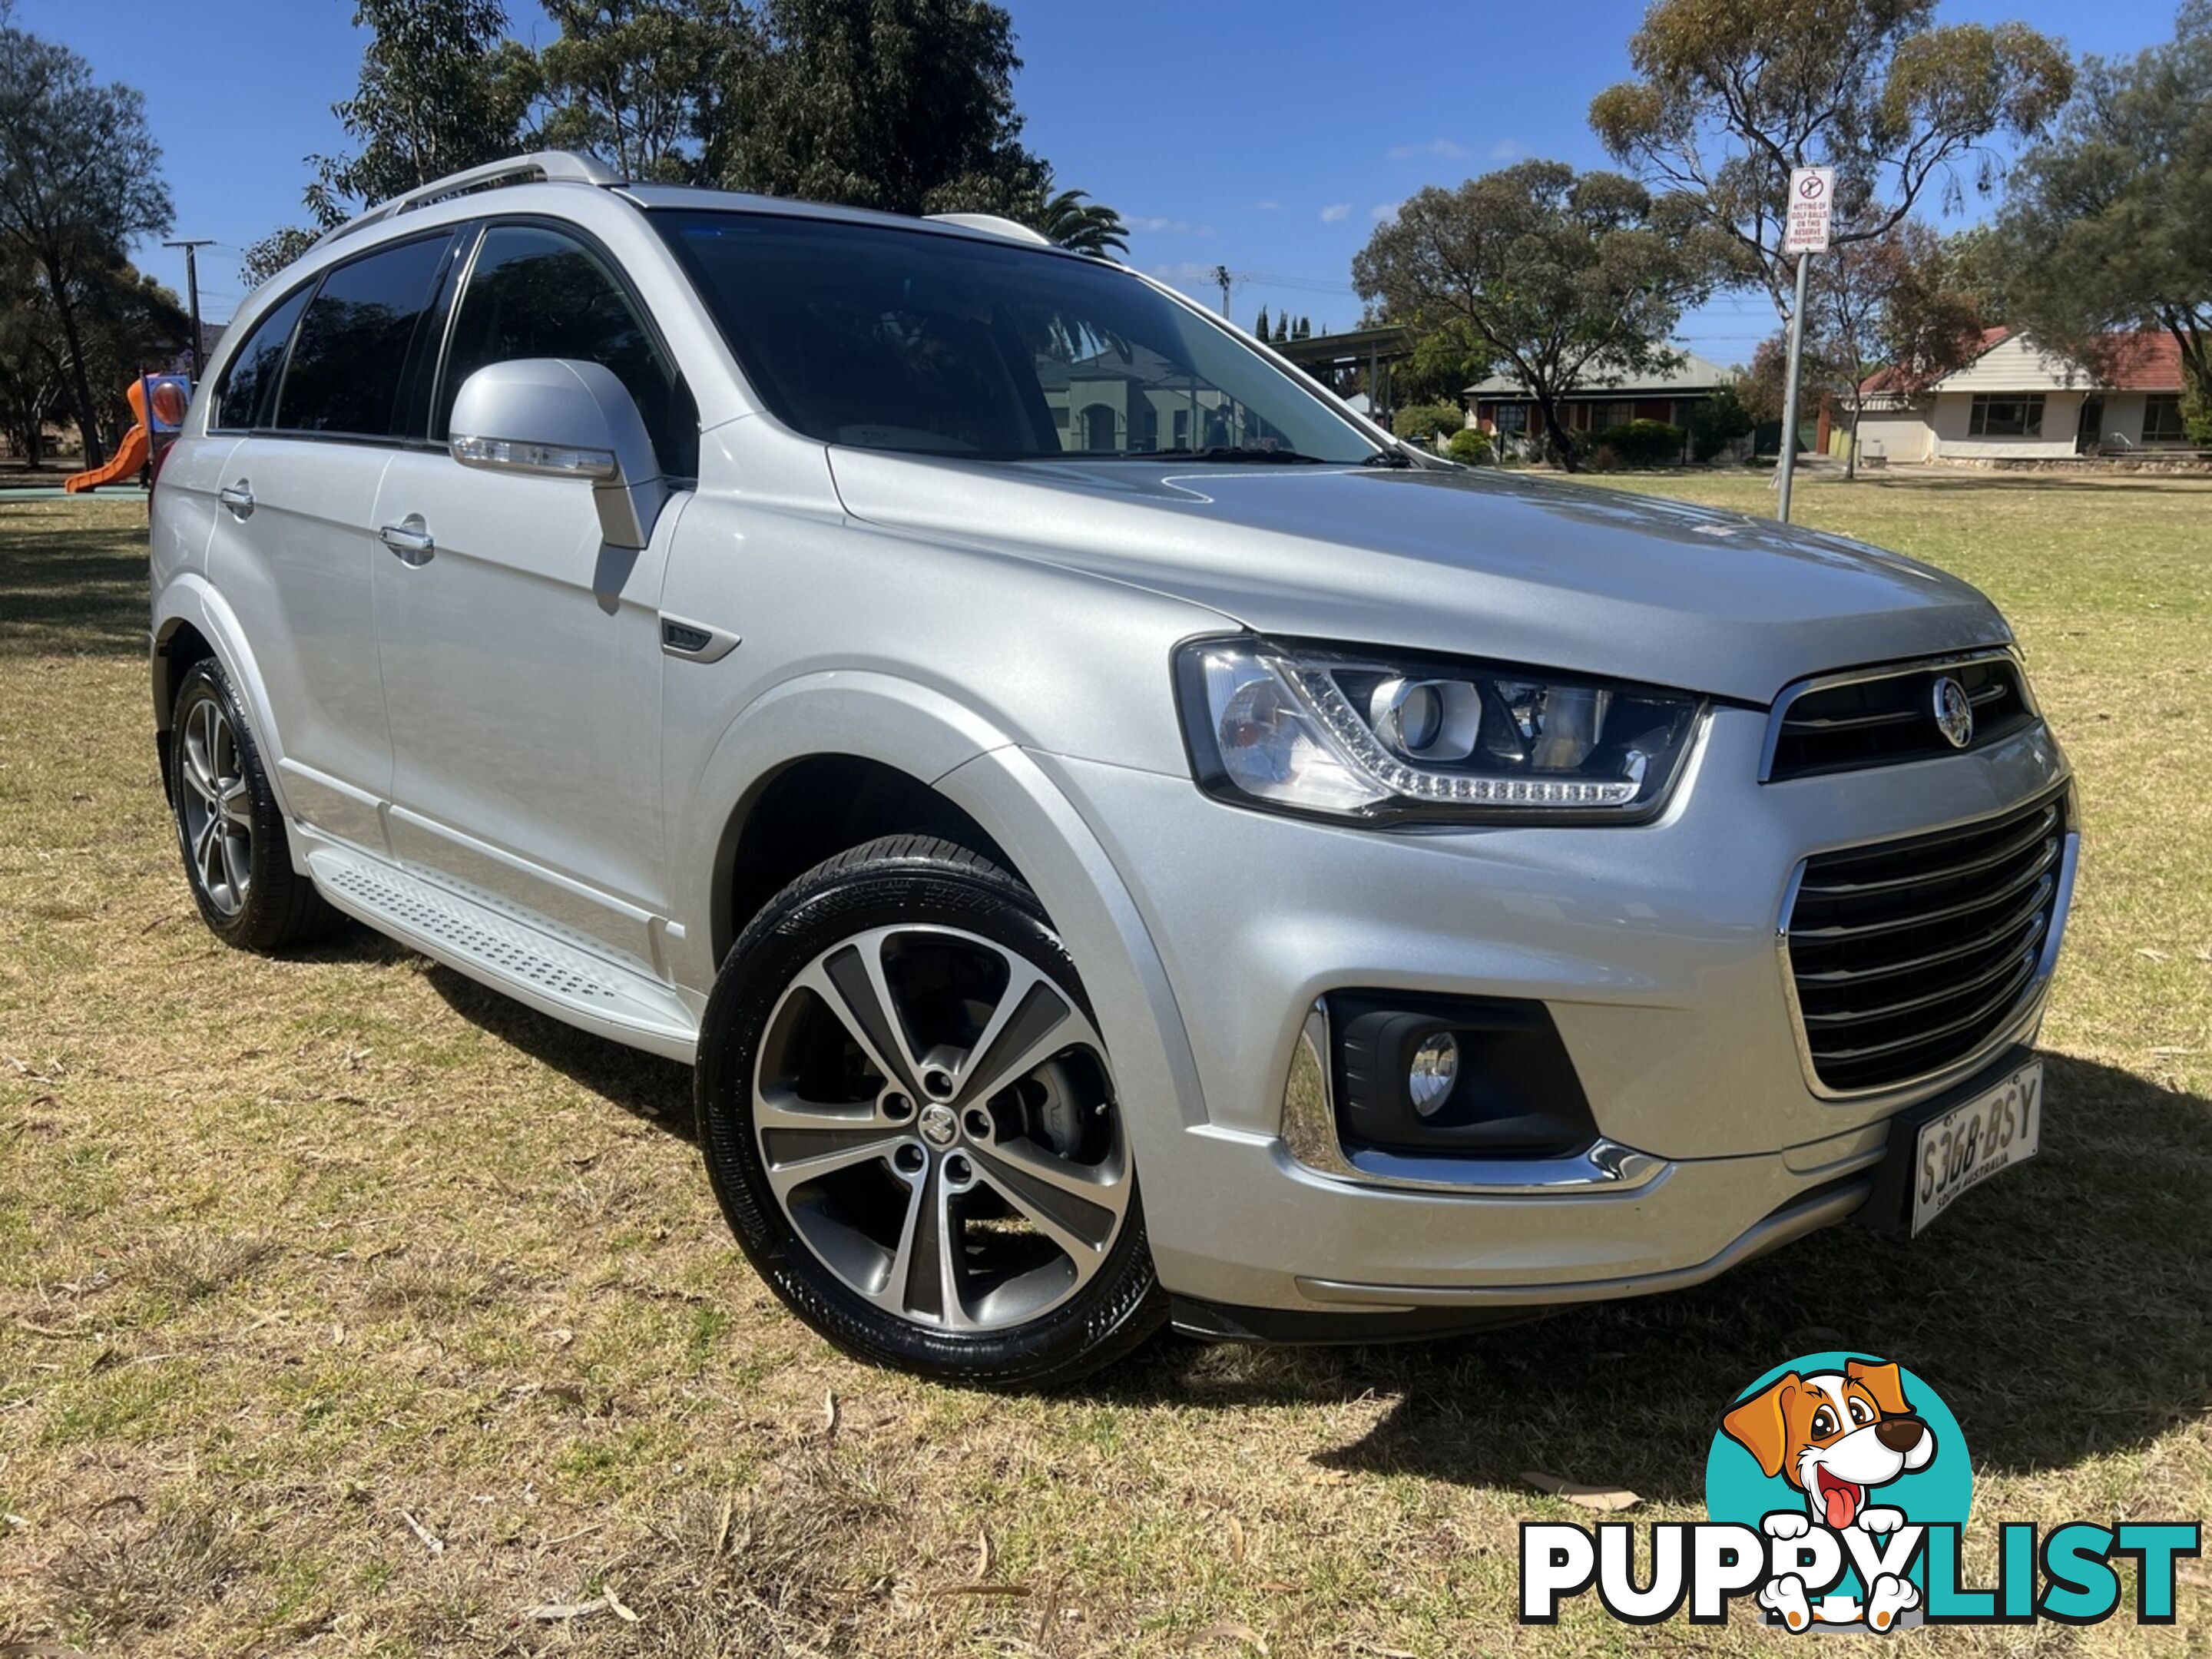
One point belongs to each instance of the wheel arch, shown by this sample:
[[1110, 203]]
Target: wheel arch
[[814, 807], [191, 623], [959, 764]]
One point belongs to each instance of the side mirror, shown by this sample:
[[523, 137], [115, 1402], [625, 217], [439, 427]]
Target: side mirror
[[558, 417]]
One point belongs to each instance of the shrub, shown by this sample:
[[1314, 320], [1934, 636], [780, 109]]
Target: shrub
[[1642, 443], [1604, 459], [2197, 419], [1421, 422], [1471, 447], [1716, 421]]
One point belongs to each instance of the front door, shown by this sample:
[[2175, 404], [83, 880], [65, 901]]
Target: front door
[[521, 655]]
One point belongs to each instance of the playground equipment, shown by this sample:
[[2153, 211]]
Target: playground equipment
[[160, 402]]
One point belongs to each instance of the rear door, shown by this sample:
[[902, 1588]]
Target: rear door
[[293, 553], [522, 656]]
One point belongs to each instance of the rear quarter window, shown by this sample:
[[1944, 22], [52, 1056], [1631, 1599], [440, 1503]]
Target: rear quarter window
[[247, 395]]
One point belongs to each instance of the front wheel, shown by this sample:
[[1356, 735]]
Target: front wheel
[[229, 826], [911, 1123]]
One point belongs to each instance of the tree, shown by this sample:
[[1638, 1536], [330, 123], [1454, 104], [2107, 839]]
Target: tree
[[1304, 331], [1283, 330], [278, 249], [1260, 328], [1554, 276], [1731, 94], [2108, 226], [1070, 219], [80, 178], [626, 80], [1424, 422], [1892, 299], [441, 89], [34, 362], [133, 326], [904, 104], [1719, 421]]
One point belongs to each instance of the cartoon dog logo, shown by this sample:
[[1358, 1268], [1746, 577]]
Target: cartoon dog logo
[[1835, 1436]]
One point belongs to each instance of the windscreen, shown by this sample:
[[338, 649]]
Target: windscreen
[[883, 338]]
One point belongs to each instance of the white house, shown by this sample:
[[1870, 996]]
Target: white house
[[2016, 402]]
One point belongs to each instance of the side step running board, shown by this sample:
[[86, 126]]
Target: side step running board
[[525, 962]]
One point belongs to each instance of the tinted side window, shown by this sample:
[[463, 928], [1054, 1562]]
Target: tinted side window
[[249, 385], [352, 349], [535, 293]]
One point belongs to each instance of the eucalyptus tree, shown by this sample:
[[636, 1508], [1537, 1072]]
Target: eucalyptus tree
[[1730, 95], [80, 180], [1557, 277]]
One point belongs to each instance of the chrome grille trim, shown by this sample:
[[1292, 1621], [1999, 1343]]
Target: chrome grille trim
[[1851, 997], [1779, 725]]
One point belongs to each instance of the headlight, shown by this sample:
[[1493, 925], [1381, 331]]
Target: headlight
[[1345, 734]]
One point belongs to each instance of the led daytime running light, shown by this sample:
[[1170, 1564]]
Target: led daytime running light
[[1360, 746]]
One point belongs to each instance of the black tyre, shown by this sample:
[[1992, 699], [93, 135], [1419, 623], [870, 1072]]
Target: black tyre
[[229, 826], [910, 1121]]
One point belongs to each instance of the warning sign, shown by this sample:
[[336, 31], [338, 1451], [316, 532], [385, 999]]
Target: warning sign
[[1812, 200]]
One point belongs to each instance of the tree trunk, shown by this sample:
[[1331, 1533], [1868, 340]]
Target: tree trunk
[[1556, 437], [1851, 443], [87, 411]]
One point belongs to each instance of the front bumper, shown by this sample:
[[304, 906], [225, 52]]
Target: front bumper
[[1654, 948]]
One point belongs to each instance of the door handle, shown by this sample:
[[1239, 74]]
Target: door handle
[[238, 498], [410, 540]]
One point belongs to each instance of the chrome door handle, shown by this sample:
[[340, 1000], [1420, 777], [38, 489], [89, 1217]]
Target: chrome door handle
[[410, 540], [238, 498]]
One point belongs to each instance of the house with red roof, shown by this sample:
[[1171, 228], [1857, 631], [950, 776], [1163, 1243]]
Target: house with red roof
[[2016, 402]]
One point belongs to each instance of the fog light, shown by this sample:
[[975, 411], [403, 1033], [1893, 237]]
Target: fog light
[[1436, 1067]]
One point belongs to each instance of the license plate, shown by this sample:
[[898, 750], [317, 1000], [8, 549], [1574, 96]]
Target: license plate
[[1970, 1143]]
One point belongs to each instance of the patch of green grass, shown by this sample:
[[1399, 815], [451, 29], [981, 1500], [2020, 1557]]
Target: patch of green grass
[[298, 1255]]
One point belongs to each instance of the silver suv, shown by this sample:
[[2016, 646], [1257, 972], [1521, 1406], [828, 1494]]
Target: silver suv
[[1120, 839]]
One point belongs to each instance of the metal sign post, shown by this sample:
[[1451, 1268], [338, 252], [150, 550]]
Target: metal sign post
[[1812, 199]]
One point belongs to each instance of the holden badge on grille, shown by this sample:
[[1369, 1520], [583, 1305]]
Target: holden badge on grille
[[1954, 712]]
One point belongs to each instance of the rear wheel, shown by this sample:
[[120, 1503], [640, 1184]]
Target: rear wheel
[[911, 1121], [229, 826]]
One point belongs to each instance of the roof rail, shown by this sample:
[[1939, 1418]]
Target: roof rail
[[544, 165], [992, 224]]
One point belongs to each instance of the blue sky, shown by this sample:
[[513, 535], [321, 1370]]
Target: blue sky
[[1268, 139]]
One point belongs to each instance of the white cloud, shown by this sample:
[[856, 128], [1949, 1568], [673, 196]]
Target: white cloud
[[1335, 211], [1184, 270], [1506, 149], [1387, 211], [1267, 207], [1167, 226], [1442, 148]]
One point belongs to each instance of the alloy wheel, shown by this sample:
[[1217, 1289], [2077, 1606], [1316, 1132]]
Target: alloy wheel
[[936, 1119], [217, 806]]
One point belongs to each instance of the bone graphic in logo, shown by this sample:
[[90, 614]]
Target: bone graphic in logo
[[1954, 712]]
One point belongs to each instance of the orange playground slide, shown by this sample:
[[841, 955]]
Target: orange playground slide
[[127, 458]]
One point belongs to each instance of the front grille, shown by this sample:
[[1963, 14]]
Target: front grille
[[1891, 718], [1910, 955]]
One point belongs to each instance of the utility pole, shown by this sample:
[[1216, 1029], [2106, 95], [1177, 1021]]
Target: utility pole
[[193, 289], [1222, 275]]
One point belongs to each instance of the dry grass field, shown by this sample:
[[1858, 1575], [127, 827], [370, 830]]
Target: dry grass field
[[348, 1310]]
